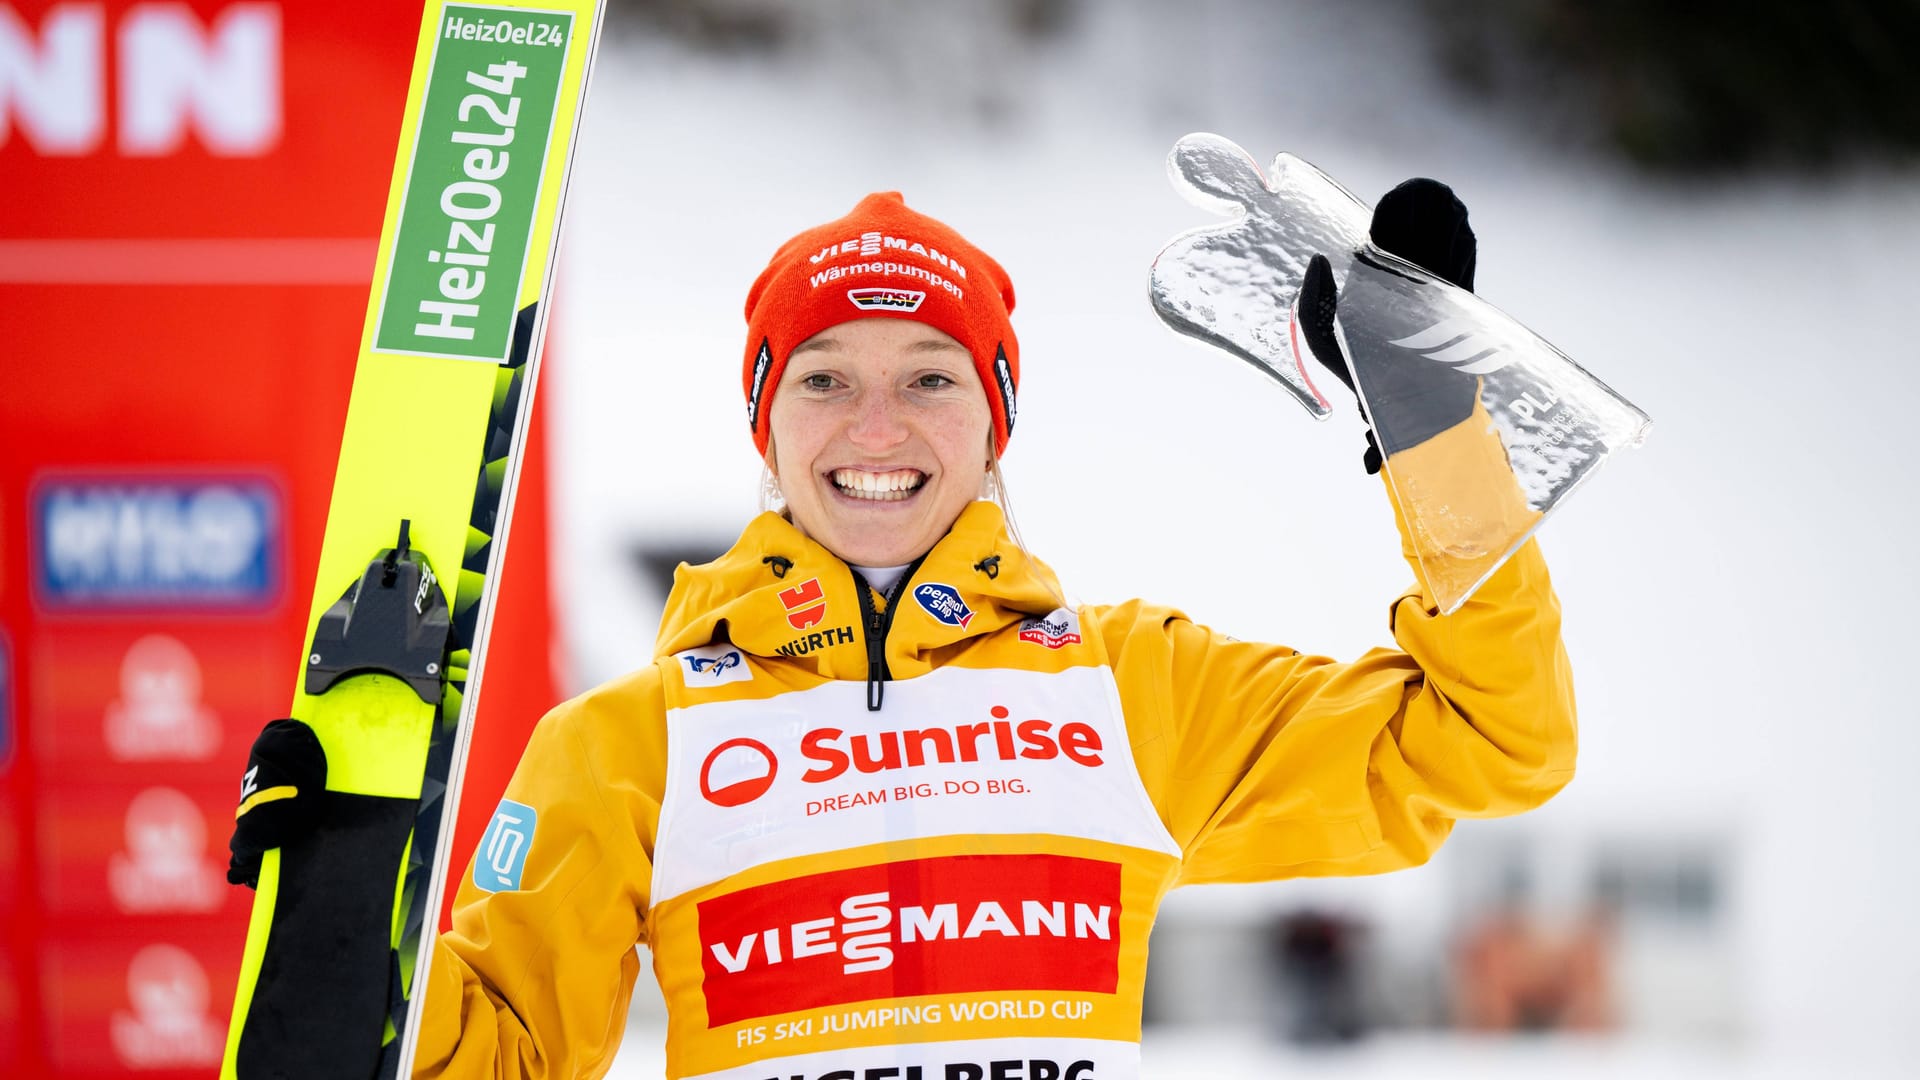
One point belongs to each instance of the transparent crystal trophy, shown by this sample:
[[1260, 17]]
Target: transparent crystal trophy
[[1536, 424]]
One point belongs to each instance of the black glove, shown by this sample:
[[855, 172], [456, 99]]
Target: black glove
[[279, 798], [1423, 222]]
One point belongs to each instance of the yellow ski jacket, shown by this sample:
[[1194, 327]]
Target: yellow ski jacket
[[927, 843]]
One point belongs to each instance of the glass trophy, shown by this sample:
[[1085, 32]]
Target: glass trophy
[[1535, 424]]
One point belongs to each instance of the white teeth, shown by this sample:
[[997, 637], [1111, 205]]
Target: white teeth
[[885, 487]]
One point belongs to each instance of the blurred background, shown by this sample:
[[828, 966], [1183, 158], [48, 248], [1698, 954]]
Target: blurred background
[[1715, 207]]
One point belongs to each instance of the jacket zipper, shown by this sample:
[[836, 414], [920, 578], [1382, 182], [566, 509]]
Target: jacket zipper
[[876, 624]]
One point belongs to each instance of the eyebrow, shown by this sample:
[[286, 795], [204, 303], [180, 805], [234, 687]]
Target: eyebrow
[[927, 345]]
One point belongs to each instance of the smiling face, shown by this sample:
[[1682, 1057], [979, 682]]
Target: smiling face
[[879, 438]]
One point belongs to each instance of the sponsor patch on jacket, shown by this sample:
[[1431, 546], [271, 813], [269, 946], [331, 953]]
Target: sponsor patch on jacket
[[713, 665], [1057, 630], [502, 857], [806, 604], [819, 639], [948, 925], [943, 602]]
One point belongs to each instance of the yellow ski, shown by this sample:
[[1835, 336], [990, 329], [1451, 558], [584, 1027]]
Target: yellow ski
[[442, 390]]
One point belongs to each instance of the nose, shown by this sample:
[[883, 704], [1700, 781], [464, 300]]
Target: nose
[[878, 421]]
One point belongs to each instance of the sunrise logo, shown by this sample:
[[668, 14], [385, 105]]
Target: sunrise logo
[[744, 769]]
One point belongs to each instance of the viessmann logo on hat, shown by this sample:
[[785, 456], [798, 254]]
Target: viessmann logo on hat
[[886, 299]]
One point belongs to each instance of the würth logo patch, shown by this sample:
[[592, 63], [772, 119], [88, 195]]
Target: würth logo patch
[[951, 925], [806, 604]]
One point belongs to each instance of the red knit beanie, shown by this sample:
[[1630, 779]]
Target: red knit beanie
[[881, 261]]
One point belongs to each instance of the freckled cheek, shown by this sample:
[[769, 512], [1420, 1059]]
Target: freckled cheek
[[801, 433]]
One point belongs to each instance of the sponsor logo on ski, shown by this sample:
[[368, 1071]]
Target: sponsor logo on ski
[[943, 602], [427, 582], [948, 925], [503, 850], [478, 164], [179, 542], [714, 665], [505, 32], [1460, 343], [806, 604], [886, 299], [1058, 630], [737, 772]]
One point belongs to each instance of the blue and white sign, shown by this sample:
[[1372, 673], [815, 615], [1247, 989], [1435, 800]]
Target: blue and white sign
[[943, 602], [165, 541], [502, 857]]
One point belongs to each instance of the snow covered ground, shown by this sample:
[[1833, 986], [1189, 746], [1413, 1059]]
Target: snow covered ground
[[1737, 593]]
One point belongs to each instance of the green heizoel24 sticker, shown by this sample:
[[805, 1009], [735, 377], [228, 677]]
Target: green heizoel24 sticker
[[479, 159]]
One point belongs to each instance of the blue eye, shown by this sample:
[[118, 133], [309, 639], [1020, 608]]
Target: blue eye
[[817, 381], [933, 382]]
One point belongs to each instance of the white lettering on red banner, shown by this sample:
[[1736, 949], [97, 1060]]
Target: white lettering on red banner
[[165, 866], [948, 925], [159, 714], [169, 1025], [220, 79]]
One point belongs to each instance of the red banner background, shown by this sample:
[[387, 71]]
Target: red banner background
[[192, 195]]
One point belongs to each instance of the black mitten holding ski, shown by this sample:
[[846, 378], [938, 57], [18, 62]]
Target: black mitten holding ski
[[279, 797], [1423, 222]]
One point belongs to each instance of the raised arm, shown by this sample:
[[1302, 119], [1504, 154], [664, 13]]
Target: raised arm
[[1266, 763]]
